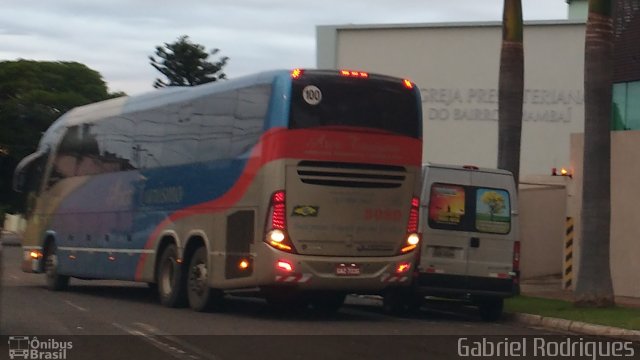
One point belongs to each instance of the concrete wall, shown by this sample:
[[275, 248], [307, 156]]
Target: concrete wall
[[625, 217], [14, 223], [542, 229], [456, 67]]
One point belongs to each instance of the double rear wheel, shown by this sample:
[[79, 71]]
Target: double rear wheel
[[179, 285]]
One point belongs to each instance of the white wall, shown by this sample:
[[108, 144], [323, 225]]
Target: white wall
[[542, 229], [456, 67]]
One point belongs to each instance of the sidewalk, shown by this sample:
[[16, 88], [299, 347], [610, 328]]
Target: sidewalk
[[550, 287]]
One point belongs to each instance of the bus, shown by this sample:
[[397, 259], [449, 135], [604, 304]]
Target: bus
[[301, 184]]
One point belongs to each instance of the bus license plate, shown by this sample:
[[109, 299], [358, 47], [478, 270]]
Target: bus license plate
[[348, 270]]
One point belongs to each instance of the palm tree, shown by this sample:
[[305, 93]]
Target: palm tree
[[511, 88], [594, 287]]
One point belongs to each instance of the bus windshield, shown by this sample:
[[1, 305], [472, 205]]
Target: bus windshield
[[366, 103]]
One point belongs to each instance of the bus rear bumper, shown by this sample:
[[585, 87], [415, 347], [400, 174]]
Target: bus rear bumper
[[352, 274]]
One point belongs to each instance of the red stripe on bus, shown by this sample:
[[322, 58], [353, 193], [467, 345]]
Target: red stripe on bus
[[307, 144]]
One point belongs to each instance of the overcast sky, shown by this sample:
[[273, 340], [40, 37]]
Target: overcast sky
[[115, 37]]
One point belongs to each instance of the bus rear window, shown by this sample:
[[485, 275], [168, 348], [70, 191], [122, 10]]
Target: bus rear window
[[371, 103]]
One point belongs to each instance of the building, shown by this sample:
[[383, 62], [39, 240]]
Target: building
[[625, 164], [456, 67]]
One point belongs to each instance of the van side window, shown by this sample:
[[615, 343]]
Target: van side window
[[493, 211], [447, 206]]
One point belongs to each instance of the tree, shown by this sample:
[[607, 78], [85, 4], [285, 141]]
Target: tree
[[511, 89], [184, 63], [594, 286], [32, 95], [494, 201]]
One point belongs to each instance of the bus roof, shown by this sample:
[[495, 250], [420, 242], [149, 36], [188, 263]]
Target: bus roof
[[170, 95]]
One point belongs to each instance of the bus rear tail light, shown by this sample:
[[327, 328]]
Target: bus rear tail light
[[276, 224], [403, 267], [355, 74], [516, 261], [283, 265], [413, 237], [296, 74]]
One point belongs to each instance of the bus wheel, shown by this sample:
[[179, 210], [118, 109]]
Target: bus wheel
[[170, 281], [55, 281], [201, 296], [327, 303], [491, 309]]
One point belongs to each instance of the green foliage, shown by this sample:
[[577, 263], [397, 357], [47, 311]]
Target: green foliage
[[184, 63], [627, 318], [32, 95]]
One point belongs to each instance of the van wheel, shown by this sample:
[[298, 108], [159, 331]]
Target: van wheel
[[55, 281], [170, 278], [327, 303], [491, 309], [201, 296]]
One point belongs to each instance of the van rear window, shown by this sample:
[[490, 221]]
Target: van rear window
[[469, 208]]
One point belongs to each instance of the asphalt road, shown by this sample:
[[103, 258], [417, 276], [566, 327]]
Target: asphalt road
[[125, 321]]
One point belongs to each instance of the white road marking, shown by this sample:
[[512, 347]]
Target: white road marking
[[171, 345], [201, 353], [77, 307]]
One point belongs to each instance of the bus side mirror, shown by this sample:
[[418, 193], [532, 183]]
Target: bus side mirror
[[23, 168]]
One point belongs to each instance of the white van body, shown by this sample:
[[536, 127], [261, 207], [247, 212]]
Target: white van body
[[469, 224]]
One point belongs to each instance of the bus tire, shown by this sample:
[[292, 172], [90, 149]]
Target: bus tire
[[170, 278], [491, 309], [55, 281], [201, 296]]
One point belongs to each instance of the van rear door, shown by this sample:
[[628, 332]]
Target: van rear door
[[446, 242], [491, 245]]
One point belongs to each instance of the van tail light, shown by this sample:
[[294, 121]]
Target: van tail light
[[276, 224], [516, 261], [412, 239]]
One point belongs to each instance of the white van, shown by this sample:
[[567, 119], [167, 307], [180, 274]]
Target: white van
[[470, 247]]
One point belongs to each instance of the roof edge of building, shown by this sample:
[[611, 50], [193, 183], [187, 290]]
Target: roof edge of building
[[462, 24]]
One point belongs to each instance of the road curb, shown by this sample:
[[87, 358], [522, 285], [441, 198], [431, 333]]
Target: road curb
[[574, 326]]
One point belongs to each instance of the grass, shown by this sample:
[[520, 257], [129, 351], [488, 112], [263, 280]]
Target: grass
[[627, 318]]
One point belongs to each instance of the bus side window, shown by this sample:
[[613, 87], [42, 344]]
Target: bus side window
[[250, 112], [66, 158], [115, 140], [181, 135], [216, 125], [149, 138]]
